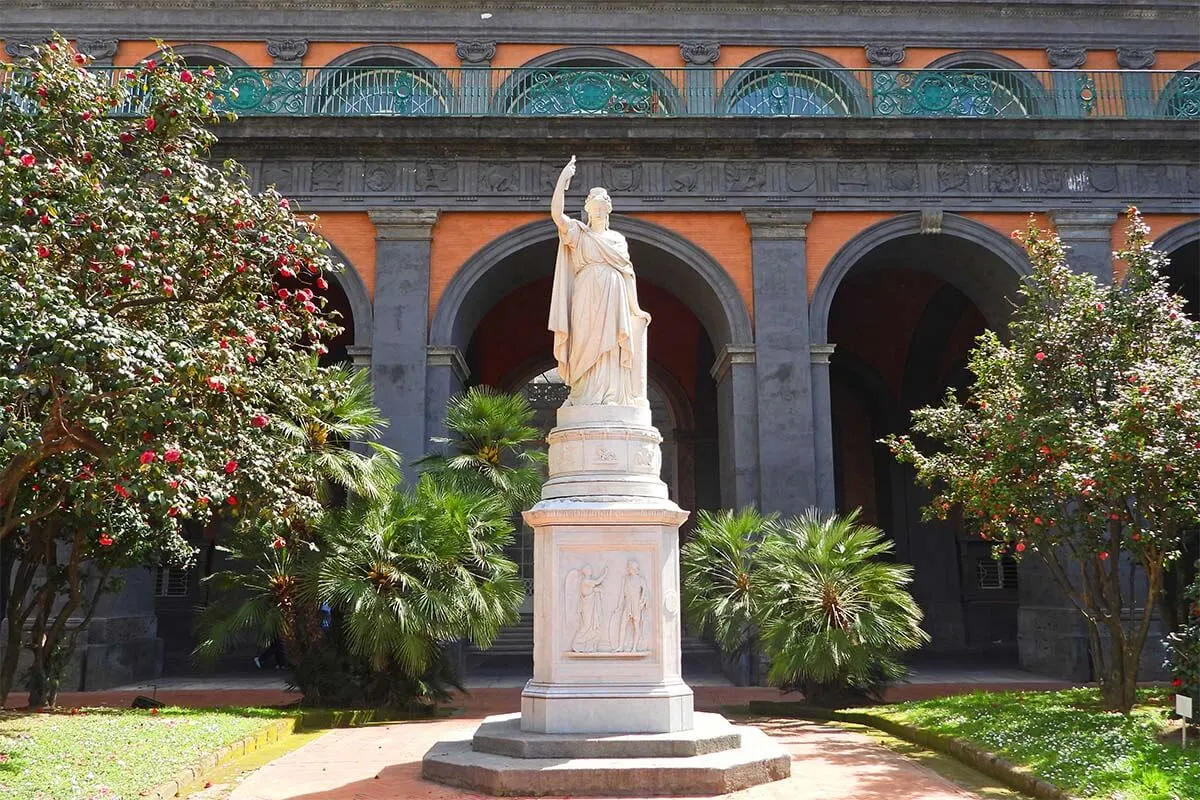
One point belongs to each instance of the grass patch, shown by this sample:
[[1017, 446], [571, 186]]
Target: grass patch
[[112, 753], [1066, 738]]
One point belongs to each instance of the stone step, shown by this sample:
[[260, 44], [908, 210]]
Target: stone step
[[758, 760], [502, 736]]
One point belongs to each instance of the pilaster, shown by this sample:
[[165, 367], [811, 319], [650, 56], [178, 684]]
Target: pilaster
[[737, 408], [446, 374], [398, 356], [826, 487], [787, 472], [1088, 234]]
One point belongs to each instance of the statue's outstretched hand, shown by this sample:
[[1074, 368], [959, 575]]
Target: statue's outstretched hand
[[568, 172]]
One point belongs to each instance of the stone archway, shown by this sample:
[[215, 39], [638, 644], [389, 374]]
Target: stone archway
[[902, 308]]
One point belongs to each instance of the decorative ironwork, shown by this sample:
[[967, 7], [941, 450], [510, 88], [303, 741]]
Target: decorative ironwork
[[949, 93], [793, 91], [788, 93], [607, 92]]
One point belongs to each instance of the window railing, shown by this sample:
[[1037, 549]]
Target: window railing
[[778, 91]]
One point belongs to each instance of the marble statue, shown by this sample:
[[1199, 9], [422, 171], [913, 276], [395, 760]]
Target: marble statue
[[599, 329]]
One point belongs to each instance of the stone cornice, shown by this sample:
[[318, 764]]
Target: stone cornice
[[404, 224], [448, 356], [821, 353]]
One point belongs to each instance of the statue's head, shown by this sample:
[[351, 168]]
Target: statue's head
[[598, 203], [586, 571], [632, 567]]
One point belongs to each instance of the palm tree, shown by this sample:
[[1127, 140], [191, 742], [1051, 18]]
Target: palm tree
[[812, 592], [833, 616], [717, 563], [490, 447], [413, 574]]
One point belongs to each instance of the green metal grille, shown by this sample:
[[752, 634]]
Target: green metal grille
[[762, 92]]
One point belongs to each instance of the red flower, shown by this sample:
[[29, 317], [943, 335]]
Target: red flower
[[172, 455], [85, 116], [105, 540], [232, 500], [164, 199], [43, 251], [172, 511], [120, 490], [202, 500], [322, 283], [1102, 555], [1099, 306], [1039, 355], [154, 712], [126, 137], [284, 294], [258, 421], [148, 457], [185, 76], [44, 219], [1020, 547], [174, 484], [279, 543], [87, 156], [230, 466], [150, 65], [1037, 520], [262, 304], [216, 383], [28, 159], [1177, 682], [284, 272], [80, 59]]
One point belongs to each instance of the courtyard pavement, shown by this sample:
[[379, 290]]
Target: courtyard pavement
[[383, 762]]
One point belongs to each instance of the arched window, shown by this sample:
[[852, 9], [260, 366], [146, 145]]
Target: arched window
[[959, 85], [381, 81], [587, 81], [1180, 98], [792, 84]]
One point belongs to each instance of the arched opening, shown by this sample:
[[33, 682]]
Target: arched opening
[[495, 309], [1182, 246], [966, 84], [1180, 97], [587, 81], [381, 80], [792, 83], [904, 316]]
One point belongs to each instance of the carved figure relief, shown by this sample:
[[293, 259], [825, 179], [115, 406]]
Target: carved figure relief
[[953, 177], [328, 176], [646, 456], [1051, 179], [682, 177], [745, 177], [605, 615], [853, 175], [902, 177], [624, 177], [500, 178], [437, 176], [1002, 178], [278, 175], [605, 456]]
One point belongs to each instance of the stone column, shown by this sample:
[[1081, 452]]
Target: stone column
[[700, 84], [826, 494], [446, 374], [737, 412], [787, 471], [398, 357], [476, 91], [1065, 84], [1089, 235]]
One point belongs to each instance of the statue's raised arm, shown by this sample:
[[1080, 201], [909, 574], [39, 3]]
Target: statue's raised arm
[[558, 201]]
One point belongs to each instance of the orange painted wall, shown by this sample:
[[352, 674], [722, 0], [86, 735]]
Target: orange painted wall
[[253, 53], [828, 232], [321, 53], [353, 233], [457, 235], [1159, 225]]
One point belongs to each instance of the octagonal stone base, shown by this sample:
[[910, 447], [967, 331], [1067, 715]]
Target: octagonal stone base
[[714, 758]]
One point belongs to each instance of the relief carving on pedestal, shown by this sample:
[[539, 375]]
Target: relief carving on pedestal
[[607, 615]]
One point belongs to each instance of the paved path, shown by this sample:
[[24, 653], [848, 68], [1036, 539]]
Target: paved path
[[383, 762]]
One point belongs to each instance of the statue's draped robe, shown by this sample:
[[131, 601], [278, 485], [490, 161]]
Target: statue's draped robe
[[599, 329]]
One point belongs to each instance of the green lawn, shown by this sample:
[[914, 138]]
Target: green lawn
[[112, 753], [1065, 738]]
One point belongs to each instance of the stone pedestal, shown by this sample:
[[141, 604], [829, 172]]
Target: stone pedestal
[[607, 711], [606, 655]]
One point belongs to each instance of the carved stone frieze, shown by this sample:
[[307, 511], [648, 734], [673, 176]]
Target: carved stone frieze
[[1135, 57], [1066, 57], [21, 47], [743, 183], [475, 51], [287, 49], [700, 53], [885, 55]]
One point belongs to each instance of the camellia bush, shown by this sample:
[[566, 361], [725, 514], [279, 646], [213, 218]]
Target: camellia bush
[[1183, 648], [1079, 441], [148, 353]]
